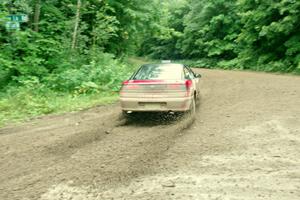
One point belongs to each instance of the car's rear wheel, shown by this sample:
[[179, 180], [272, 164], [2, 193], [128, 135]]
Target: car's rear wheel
[[123, 116], [198, 100], [191, 113]]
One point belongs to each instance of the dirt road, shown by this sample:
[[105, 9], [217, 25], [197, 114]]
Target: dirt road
[[244, 144]]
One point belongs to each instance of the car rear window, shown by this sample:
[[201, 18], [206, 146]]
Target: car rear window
[[159, 72]]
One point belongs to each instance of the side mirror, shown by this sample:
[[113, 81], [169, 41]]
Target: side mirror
[[198, 76]]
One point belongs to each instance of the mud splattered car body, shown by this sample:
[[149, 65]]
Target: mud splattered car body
[[166, 87]]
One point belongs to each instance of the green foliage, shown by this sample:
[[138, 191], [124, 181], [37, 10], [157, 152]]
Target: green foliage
[[238, 34], [210, 29], [39, 71], [66, 88], [269, 35], [24, 103], [162, 43], [103, 73]]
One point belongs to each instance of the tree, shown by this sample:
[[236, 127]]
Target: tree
[[251, 34], [77, 20], [37, 12]]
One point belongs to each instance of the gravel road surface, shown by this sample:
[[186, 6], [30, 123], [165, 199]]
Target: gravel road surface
[[244, 144]]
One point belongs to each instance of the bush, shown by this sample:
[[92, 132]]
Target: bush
[[65, 89], [103, 73]]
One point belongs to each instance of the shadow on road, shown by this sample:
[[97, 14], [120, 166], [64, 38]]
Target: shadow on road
[[152, 119]]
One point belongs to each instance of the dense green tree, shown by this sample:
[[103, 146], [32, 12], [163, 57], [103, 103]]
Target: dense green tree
[[66, 34], [270, 35], [63, 35], [210, 29], [245, 34], [162, 43]]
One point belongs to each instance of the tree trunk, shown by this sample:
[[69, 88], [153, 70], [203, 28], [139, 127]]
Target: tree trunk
[[77, 20], [10, 6], [37, 12]]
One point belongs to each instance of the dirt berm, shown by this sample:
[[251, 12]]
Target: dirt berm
[[244, 144]]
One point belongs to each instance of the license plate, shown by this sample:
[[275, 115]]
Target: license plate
[[152, 105]]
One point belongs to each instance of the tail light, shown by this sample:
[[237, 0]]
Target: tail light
[[127, 86], [125, 82], [188, 85]]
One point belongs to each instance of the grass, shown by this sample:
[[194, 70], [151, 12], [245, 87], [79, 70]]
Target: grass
[[25, 103], [23, 107]]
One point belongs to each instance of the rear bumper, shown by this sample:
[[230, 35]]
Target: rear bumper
[[155, 104]]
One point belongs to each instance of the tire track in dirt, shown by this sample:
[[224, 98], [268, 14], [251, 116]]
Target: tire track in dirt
[[47, 156]]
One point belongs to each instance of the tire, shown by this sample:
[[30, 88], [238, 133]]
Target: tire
[[198, 101], [124, 118], [191, 113], [125, 115]]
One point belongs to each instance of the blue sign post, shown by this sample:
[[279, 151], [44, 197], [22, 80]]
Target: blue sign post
[[15, 20], [18, 18]]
